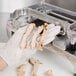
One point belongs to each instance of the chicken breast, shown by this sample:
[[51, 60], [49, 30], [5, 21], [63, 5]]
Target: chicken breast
[[27, 32], [35, 36], [43, 37]]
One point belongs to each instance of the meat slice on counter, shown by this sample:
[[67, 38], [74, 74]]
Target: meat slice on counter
[[20, 70], [48, 73], [35, 64]]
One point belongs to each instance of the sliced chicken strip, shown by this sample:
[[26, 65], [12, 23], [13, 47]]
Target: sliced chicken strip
[[49, 73], [43, 37], [35, 64], [35, 36], [20, 70], [26, 34], [49, 27], [29, 39]]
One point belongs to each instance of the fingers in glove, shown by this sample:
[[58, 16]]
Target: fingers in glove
[[52, 32], [15, 39], [47, 41]]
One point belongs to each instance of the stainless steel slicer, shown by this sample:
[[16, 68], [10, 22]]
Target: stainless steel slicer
[[64, 43]]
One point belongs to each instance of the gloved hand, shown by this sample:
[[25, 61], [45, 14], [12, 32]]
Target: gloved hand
[[12, 53]]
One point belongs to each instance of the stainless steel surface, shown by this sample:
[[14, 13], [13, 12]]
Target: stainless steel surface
[[61, 52], [64, 54], [72, 33], [42, 10], [68, 4]]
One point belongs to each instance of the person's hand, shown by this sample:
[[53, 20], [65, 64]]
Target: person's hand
[[12, 52], [51, 33]]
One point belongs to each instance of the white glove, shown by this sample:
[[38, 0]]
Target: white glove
[[52, 32], [12, 53]]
